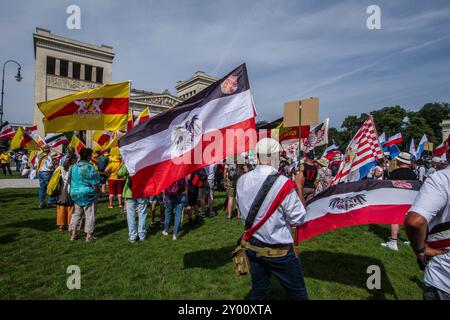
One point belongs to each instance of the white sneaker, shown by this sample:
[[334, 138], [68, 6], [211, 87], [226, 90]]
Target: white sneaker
[[391, 244], [408, 243], [165, 233], [174, 237]]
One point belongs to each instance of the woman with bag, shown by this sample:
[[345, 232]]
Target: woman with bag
[[64, 205]]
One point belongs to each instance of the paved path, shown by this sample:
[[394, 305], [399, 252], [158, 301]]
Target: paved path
[[18, 183]]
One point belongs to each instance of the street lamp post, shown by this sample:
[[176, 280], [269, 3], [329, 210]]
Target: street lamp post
[[18, 79]]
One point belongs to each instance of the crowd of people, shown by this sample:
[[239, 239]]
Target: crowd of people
[[18, 159], [88, 177]]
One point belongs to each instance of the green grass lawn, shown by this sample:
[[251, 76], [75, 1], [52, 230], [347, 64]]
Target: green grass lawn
[[34, 258], [15, 175]]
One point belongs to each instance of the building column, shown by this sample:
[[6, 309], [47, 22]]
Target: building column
[[57, 67], [94, 74], [82, 71], [70, 71]]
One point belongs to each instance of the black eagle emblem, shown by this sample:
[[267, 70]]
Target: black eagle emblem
[[184, 134], [348, 202]]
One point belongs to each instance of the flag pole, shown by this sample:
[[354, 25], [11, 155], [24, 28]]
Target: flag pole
[[299, 130], [296, 247]]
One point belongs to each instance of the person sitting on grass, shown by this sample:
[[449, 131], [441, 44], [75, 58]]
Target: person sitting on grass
[[84, 188], [115, 184], [133, 204]]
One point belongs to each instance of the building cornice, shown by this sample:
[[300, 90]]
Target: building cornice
[[196, 78], [73, 47]]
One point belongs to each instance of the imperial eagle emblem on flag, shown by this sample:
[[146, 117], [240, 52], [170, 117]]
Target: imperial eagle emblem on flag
[[229, 85], [186, 135]]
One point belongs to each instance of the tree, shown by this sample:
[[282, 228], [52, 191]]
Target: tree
[[433, 114], [389, 119]]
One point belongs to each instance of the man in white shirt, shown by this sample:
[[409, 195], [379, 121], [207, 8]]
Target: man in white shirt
[[269, 248], [47, 163], [428, 228], [24, 161]]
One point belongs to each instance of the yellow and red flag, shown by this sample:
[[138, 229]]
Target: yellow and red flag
[[102, 137], [143, 116], [41, 142], [130, 120], [23, 140], [77, 144], [103, 108]]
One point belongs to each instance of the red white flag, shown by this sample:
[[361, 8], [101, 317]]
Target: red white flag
[[395, 139], [54, 140], [361, 154], [6, 131], [32, 130], [356, 203], [440, 150], [143, 116], [216, 123]]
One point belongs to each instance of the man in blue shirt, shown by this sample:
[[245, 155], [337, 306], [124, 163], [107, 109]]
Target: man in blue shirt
[[84, 187]]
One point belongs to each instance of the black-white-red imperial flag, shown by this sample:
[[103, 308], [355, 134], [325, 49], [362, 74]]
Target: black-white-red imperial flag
[[212, 125], [357, 203]]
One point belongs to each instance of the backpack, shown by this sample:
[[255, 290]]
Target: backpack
[[232, 172], [199, 178], [102, 163], [54, 185], [175, 188]]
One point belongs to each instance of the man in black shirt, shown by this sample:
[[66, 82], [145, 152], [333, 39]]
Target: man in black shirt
[[403, 172], [309, 170]]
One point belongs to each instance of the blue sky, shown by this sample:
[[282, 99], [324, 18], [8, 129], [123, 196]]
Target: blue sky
[[293, 49]]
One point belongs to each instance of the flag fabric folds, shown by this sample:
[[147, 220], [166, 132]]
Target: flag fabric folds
[[102, 108], [32, 130], [395, 139], [6, 131], [130, 123], [23, 140], [143, 116], [54, 140], [382, 139], [361, 154], [77, 144], [440, 150], [421, 147], [41, 142], [318, 136], [331, 151], [394, 151], [102, 137], [356, 203], [412, 149], [212, 125]]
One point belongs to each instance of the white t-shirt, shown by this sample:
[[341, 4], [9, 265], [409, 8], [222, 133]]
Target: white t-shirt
[[421, 173], [24, 159], [433, 203]]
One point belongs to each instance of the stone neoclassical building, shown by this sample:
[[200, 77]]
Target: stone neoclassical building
[[64, 66]]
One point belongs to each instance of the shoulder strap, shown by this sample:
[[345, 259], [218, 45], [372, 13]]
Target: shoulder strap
[[288, 186], [41, 161], [260, 196]]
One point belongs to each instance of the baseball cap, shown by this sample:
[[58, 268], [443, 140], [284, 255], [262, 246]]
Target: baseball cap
[[268, 146]]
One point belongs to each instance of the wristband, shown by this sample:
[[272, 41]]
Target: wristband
[[419, 251]]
